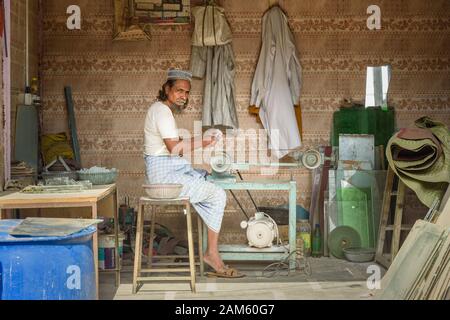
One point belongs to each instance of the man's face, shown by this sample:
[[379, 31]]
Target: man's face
[[179, 93]]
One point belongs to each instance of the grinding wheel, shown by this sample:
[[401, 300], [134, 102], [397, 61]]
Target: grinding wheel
[[343, 237]]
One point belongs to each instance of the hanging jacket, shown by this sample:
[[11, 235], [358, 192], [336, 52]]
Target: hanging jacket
[[276, 83], [211, 27], [212, 59]]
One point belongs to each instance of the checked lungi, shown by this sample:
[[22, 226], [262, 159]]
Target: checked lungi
[[208, 199]]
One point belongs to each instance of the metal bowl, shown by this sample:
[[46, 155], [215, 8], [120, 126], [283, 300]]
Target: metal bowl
[[163, 191], [358, 254]]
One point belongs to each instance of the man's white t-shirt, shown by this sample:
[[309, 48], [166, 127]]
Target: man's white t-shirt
[[159, 124]]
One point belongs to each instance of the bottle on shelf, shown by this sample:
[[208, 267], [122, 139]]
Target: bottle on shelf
[[304, 234], [316, 242]]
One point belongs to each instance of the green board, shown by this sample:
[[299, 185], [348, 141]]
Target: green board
[[26, 136], [360, 120]]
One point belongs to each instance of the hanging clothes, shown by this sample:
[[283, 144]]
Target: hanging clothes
[[211, 27], [276, 84], [217, 66], [213, 60]]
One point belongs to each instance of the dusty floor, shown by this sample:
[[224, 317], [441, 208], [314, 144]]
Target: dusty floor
[[330, 279]]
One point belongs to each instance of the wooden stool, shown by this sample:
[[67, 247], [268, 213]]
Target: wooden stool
[[137, 278]]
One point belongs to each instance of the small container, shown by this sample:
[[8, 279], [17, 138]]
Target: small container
[[317, 242], [107, 250], [34, 87], [304, 233]]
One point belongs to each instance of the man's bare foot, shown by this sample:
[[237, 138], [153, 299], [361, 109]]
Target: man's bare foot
[[214, 261]]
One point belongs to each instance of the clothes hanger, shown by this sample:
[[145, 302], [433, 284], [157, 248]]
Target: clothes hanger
[[273, 3]]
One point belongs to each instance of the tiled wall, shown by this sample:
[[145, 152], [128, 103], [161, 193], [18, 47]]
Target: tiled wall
[[114, 82]]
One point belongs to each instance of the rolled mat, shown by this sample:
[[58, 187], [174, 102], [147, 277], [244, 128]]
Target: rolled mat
[[421, 159]]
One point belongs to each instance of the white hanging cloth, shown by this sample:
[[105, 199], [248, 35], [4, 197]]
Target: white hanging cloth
[[276, 84]]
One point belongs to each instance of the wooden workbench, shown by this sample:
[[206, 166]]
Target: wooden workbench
[[86, 198]]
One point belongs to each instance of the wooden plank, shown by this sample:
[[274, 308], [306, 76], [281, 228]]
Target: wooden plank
[[432, 260], [105, 208], [72, 123], [166, 264], [410, 260], [162, 278], [115, 198], [160, 202], [200, 244], [190, 245], [403, 227], [22, 200], [164, 270], [395, 245], [138, 247], [444, 217], [439, 274], [384, 216], [95, 249]]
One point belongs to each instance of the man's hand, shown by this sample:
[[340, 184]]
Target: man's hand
[[211, 137], [210, 141]]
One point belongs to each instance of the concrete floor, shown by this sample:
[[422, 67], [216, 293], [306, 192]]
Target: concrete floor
[[330, 279]]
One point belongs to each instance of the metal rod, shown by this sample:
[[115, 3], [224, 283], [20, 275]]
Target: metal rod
[[249, 194], [239, 204]]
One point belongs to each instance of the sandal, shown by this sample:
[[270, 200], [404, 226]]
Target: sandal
[[226, 273]]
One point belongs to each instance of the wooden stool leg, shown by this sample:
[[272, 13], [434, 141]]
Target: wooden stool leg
[[384, 218], [138, 247], [190, 245], [200, 244], [152, 232]]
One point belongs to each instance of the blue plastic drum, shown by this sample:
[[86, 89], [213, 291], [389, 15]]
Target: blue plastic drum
[[46, 268]]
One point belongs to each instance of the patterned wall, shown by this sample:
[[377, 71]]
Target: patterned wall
[[2, 147], [115, 82]]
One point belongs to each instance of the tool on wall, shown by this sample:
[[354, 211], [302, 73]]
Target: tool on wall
[[72, 123], [3, 27]]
